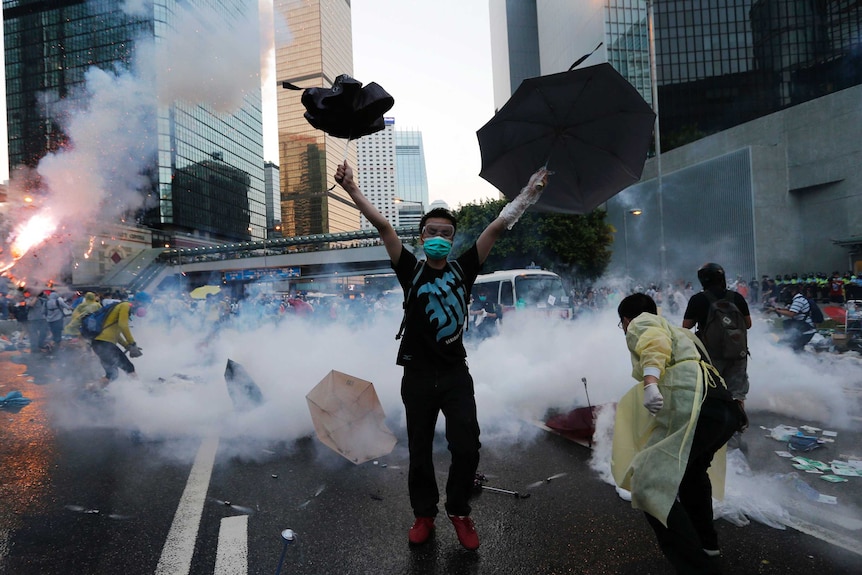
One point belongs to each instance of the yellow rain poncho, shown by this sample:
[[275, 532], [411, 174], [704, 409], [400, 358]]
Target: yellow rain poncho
[[87, 306], [650, 453]]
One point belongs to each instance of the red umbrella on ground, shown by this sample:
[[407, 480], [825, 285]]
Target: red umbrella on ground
[[834, 312]]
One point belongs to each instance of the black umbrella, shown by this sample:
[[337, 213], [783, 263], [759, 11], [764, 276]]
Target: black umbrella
[[347, 109], [589, 127]]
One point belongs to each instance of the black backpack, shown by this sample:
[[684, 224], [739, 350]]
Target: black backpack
[[815, 312], [725, 334]]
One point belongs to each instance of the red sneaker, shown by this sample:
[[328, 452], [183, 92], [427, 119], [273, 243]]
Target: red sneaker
[[421, 530], [466, 531]]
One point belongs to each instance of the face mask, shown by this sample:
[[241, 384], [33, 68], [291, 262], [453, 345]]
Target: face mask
[[482, 298], [437, 248]]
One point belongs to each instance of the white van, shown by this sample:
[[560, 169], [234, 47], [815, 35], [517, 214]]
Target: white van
[[527, 289]]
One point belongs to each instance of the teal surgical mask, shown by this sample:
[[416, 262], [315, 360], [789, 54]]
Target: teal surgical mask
[[437, 248]]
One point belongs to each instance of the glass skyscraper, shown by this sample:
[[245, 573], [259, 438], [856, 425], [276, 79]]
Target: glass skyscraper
[[721, 63], [318, 50], [718, 63], [207, 172], [412, 179]]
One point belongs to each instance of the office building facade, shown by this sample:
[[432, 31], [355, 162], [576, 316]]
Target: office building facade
[[206, 174], [273, 199], [392, 174], [723, 67], [411, 177], [376, 172], [317, 49]]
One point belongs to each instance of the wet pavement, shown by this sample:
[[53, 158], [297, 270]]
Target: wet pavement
[[102, 498]]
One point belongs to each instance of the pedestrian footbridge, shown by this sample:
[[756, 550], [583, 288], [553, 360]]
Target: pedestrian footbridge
[[313, 256]]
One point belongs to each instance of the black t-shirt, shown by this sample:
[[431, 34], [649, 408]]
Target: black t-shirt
[[698, 306], [434, 328]]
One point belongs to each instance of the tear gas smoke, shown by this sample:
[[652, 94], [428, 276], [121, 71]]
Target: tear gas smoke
[[98, 175]]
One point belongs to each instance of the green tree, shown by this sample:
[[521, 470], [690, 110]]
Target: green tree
[[574, 246]]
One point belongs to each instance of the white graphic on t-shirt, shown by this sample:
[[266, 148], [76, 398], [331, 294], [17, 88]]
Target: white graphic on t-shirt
[[446, 306]]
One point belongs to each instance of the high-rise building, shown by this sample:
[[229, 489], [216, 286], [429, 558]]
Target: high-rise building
[[376, 172], [207, 171], [273, 199], [410, 173], [514, 45], [319, 50], [733, 79], [392, 174]]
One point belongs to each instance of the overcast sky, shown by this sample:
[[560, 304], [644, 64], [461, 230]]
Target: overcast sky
[[434, 58]]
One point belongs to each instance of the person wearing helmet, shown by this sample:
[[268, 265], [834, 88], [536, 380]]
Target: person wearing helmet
[[734, 370]]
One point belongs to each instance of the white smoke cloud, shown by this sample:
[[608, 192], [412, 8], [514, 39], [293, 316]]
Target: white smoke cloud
[[110, 124], [221, 63]]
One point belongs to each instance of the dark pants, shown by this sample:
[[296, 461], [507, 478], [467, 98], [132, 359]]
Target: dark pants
[[795, 336], [38, 333], [690, 527], [425, 394], [113, 359], [56, 329]]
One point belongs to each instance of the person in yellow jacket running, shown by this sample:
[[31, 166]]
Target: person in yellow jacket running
[[116, 333]]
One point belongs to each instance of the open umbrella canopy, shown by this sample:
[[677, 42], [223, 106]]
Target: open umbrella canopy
[[348, 417], [347, 109], [203, 291], [588, 126]]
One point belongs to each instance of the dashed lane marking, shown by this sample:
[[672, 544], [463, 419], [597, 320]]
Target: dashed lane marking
[[232, 555], [179, 547]]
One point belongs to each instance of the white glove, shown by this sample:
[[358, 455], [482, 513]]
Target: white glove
[[653, 400], [480, 317], [529, 195]]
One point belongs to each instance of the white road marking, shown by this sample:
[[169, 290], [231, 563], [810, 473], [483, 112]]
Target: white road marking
[[232, 555], [179, 547], [824, 534]]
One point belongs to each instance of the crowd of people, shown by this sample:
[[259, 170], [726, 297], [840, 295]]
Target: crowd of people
[[689, 362]]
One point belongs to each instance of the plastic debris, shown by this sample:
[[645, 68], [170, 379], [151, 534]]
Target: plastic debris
[[844, 469], [833, 478], [801, 442], [812, 463], [782, 432]]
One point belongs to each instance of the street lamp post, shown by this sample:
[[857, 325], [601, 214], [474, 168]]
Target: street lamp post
[[634, 212], [656, 134]]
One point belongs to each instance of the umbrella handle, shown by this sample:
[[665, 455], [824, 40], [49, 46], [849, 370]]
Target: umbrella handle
[[346, 152]]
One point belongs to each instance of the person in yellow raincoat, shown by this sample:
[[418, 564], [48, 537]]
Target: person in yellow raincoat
[[87, 306], [693, 416], [116, 332]]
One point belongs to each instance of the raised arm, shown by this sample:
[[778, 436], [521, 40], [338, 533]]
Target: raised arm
[[511, 213], [391, 241]]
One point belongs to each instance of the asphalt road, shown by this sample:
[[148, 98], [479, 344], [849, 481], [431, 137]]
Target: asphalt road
[[104, 499]]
